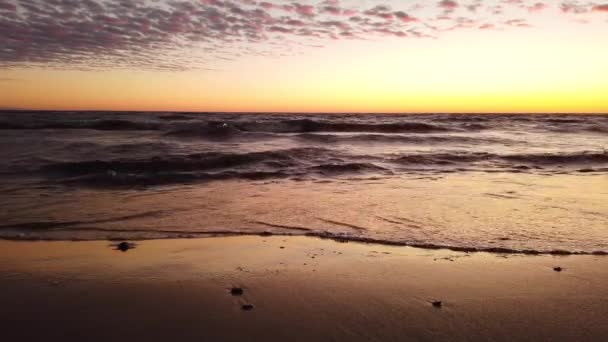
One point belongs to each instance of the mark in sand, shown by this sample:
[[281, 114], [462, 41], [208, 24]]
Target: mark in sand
[[280, 226], [236, 291], [342, 224]]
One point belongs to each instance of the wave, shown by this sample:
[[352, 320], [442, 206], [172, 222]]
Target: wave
[[559, 158], [308, 125], [575, 128], [539, 160], [188, 168], [564, 120], [398, 139], [517, 122], [216, 132], [443, 158], [206, 130], [175, 117], [224, 128], [190, 162], [180, 125], [302, 162], [221, 126], [134, 180], [133, 149], [597, 129], [101, 125], [347, 168]]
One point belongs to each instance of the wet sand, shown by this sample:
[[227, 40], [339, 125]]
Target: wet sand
[[301, 289]]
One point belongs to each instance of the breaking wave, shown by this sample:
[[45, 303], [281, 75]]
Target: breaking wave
[[539, 159], [302, 162]]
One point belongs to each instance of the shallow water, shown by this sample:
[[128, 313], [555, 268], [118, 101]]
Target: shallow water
[[535, 183]]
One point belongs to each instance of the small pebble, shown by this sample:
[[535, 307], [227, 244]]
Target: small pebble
[[123, 246], [437, 303], [558, 269], [236, 291], [247, 307]]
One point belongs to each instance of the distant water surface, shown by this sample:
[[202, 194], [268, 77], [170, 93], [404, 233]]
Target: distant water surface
[[534, 183]]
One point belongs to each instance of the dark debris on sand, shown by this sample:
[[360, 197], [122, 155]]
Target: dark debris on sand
[[236, 291], [124, 246], [247, 307], [558, 269], [437, 303]]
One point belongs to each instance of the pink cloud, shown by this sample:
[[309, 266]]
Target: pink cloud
[[573, 7], [266, 5], [404, 17], [600, 8], [537, 7], [305, 10], [448, 4], [331, 10], [100, 33]]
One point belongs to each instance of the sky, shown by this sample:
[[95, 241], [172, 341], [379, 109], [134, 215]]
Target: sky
[[305, 56]]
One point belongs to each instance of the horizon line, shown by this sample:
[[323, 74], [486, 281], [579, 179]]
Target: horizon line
[[297, 112]]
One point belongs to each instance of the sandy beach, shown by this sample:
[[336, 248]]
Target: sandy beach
[[300, 288], [315, 170]]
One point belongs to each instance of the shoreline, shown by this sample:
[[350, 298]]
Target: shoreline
[[300, 288], [339, 238]]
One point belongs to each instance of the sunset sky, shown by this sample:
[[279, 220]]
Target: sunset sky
[[305, 56]]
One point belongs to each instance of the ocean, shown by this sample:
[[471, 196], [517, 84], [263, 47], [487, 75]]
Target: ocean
[[493, 182]]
